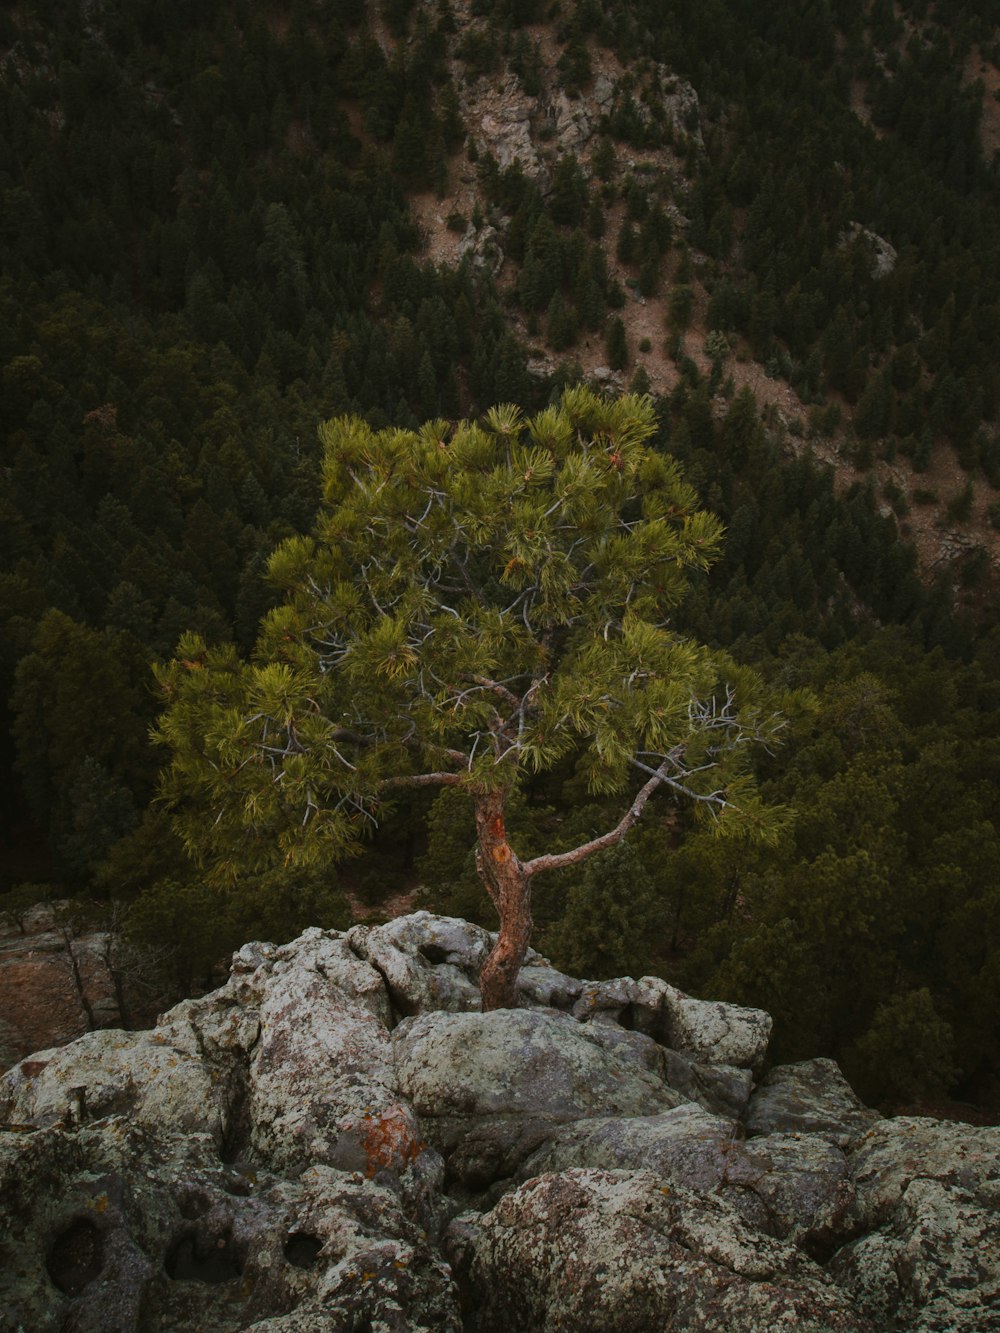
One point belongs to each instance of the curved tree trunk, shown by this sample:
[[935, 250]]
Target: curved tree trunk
[[510, 889]]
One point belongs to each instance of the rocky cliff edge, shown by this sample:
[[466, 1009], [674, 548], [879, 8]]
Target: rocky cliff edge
[[338, 1139]]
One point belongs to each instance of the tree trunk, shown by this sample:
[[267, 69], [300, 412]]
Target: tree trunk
[[510, 889]]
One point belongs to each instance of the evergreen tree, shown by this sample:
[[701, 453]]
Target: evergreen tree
[[516, 622]]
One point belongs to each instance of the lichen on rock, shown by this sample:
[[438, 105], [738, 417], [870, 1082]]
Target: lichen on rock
[[339, 1138]]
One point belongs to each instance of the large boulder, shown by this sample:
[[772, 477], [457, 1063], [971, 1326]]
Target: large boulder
[[488, 1088], [146, 1076], [928, 1203], [426, 962], [612, 1251], [321, 1078], [430, 963], [786, 1186]]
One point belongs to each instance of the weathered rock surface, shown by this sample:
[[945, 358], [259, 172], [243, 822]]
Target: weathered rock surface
[[488, 1088], [427, 962], [811, 1097], [928, 1198], [620, 1250], [785, 1186], [151, 1231], [291, 1151], [882, 254]]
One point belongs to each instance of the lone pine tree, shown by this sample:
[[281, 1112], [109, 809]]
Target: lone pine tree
[[477, 603]]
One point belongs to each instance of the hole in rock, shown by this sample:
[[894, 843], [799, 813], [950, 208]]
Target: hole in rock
[[192, 1259], [76, 1256], [302, 1250], [193, 1204], [434, 953]]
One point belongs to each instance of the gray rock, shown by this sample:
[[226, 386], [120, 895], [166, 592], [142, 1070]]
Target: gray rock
[[484, 249], [723, 1034], [117, 1228], [292, 1059], [322, 1082], [935, 1266], [139, 1074], [541, 986], [720, 1088], [811, 1097], [501, 115], [882, 253], [617, 1250], [488, 1088], [896, 1152], [276, 1155], [928, 1199], [708, 1030], [687, 1145], [427, 962], [786, 1187], [571, 121]]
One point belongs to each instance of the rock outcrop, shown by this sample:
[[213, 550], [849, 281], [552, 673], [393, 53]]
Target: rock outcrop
[[339, 1139]]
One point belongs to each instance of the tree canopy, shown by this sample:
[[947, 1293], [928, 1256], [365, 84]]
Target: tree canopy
[[476, 603]]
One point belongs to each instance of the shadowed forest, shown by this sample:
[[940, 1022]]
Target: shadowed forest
[[210, 246]]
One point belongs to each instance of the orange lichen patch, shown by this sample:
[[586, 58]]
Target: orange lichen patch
[[387, 1139], [501, 854]]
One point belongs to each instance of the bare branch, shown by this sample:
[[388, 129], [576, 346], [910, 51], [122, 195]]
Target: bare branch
[[557, 860], [498, 688]]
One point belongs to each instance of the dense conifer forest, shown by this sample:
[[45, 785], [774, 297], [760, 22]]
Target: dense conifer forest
[[213, 223]]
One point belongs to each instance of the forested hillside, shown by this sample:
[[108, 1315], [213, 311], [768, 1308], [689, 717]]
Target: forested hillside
[[223, 224]]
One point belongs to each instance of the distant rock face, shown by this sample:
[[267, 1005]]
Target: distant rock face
[[881, 254], [54, 985], [531, 132], [339, 1138]]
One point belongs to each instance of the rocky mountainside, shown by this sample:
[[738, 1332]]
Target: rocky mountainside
[[528, 126], [338, 1139]]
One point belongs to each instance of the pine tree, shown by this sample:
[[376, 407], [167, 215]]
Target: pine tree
[[475, 605]]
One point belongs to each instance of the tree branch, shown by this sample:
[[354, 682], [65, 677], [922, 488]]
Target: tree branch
[[498, 688], [557, 860], [422, 780]]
